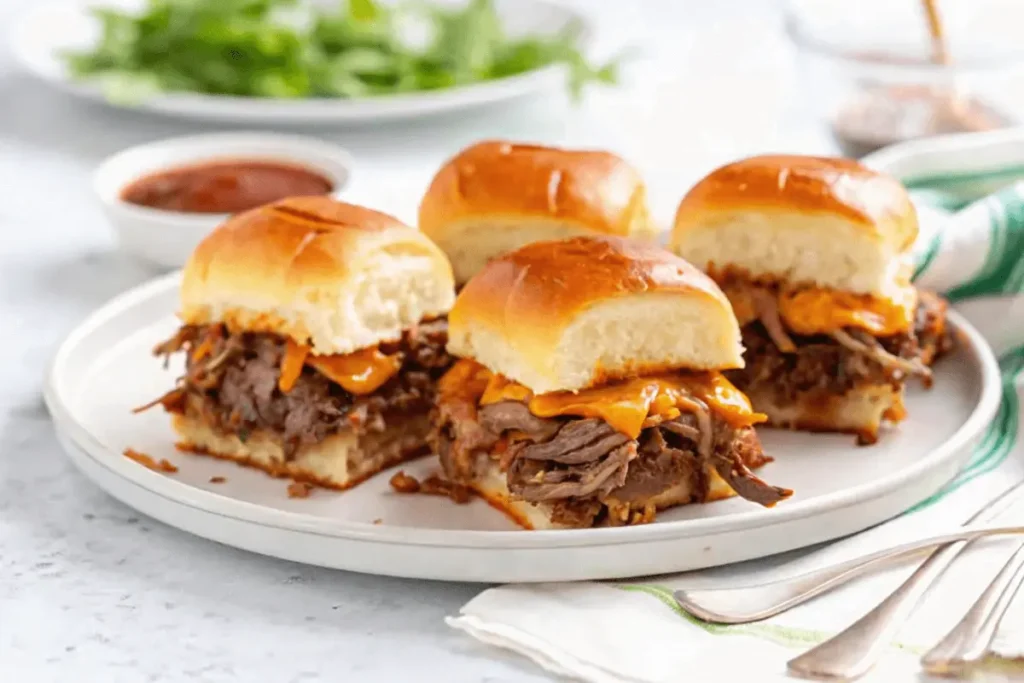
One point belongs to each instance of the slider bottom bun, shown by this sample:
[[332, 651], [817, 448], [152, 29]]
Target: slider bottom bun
[[860, 411], [846, 380], [340, 461], [491, 486]]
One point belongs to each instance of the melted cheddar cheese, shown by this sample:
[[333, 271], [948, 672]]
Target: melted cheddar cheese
[[626, 404], [466, 379], [818, 310], [815, 311], [360, 372], [499, 388], [291, 365]]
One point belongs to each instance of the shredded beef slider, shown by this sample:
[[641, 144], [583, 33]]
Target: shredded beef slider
[[314, 336], [814, 255], [590, 389]]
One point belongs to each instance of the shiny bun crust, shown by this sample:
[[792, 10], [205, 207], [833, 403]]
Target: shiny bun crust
[[336, 276], [572, 314], [496, 196], [831, 222]]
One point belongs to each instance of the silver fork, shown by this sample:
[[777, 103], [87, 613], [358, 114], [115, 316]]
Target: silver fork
[[971, 639], [753, 603], [851, 653]]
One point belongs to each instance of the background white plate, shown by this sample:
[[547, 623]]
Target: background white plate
[[38, 38], [104, 369]]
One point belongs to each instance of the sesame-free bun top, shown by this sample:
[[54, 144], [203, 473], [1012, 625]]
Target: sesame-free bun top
[[824, 221], [496, 196], [574, 313], [336, 276]]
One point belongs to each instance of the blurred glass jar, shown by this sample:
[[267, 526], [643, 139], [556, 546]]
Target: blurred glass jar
[[876, 74]]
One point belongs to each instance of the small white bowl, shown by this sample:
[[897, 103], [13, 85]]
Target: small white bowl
[[167, 238]]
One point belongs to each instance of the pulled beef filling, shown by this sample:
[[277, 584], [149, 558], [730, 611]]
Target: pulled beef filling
[[231, 383], [589, 472], [823, 364]]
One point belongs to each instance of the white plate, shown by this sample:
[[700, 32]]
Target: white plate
[[38, 38], [104, 368]]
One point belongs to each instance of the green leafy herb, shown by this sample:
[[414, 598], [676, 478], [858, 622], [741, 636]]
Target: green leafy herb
[[283, 49]]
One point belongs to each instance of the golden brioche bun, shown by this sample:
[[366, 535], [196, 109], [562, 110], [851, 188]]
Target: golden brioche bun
[[570, 314], [830, 222], [336, 276], [496, 196]]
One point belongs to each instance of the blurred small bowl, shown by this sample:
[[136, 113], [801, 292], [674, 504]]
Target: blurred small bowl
[[167, 238], [870, 68]]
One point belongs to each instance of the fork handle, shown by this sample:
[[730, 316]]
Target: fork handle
[[851, 654], [745, 604], [971, 638]]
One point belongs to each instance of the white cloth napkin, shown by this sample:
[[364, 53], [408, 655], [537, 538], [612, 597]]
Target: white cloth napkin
[[604, 632]]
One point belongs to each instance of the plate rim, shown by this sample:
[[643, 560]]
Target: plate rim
[[233, 107], [177, 492]]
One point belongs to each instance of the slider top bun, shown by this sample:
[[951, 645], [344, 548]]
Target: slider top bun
[[336, 276], [830, 222], [575, 313], [496, 196]]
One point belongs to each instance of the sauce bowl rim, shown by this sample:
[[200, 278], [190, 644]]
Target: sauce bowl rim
[[120, 169]]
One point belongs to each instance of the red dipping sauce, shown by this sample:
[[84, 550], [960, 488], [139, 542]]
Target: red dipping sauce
[[224, 186]]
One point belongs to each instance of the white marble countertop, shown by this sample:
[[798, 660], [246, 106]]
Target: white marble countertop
[[91, 590]]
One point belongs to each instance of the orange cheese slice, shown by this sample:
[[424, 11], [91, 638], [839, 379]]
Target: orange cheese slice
[[291, 365], [625, 405], [499, 388], [817, 311], [361, 372], [466, 379]]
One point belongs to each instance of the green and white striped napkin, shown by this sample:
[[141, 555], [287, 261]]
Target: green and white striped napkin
[[604, 632]]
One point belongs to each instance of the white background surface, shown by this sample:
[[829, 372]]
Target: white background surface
[[91, 591]]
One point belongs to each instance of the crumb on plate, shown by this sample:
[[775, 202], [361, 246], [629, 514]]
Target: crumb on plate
[[299, 489], [434, 485], [404, 483], [146, 460], [217, 480]]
